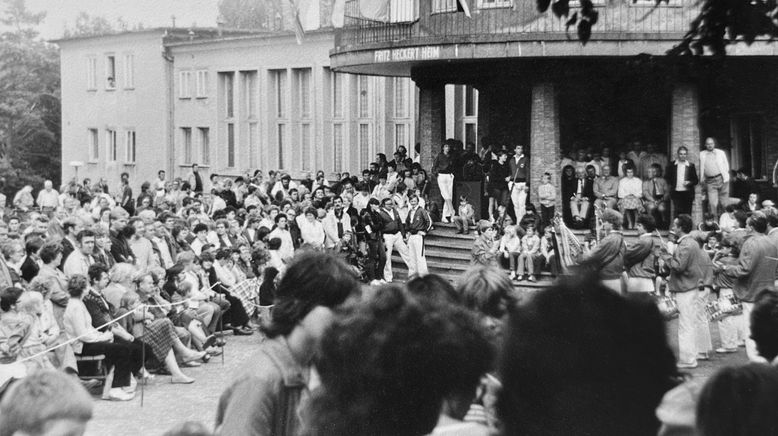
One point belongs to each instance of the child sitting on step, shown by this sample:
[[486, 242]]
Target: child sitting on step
[[464, 217]]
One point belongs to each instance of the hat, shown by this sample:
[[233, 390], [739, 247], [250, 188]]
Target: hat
[[768, 203]]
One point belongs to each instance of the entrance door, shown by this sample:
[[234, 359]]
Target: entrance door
[[747, 132]]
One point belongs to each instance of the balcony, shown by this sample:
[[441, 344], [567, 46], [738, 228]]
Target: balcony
[[498, 28]]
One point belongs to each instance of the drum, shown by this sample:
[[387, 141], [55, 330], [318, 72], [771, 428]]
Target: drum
[[723, 307], [668, 307]]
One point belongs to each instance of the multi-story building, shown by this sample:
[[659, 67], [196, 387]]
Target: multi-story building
[[538, 85], [162, 99]]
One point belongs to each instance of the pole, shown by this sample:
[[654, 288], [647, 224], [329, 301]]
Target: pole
[[221, 329], [143, 357]]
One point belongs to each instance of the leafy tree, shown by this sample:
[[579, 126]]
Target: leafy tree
[[30, 142], [89, 25], [271, 15]]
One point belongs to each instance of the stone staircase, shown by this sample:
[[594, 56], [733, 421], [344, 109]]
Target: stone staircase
[[448, 255]]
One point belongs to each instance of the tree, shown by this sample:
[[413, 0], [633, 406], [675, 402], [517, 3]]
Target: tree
[[30, 144], [92, 25], [251, 14]]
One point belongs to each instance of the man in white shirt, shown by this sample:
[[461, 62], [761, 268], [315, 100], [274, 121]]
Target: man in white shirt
[[283, 186], [80, 259], [48, 197], [715, 175], [336, 223]]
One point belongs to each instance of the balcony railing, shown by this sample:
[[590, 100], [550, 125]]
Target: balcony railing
[[409, 22]]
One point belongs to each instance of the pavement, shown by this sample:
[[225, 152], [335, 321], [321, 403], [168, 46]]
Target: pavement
[[166, 405]]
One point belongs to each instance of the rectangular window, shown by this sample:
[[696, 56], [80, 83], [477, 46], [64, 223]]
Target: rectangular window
[[201, 80], [281, 137], [401, 97], [364, 96], [364, 145], [110, 72], [129, 71], [94, 145], [337, 145], [748, 149], [250, 93], [91, 73], [129, 146], [186, 137], [305, 145], [110, 142], [400, 135], [278, 80], [231, 145], [205, 145], [471, 101], [253, 145], [487, 4], [185, 84], [439, 6], [304, 91], [337, 95], [229, 94]]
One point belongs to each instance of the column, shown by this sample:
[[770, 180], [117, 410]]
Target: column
[[544, 139], [685, 131], [432, 129]]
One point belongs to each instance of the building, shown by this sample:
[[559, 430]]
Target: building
[[162, 99], [538, 85]]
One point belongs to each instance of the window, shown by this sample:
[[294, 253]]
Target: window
[[487, 4], [185, 84], [230, 145], [110, 72], [364, 145], [91, 73], [253, 146], [201, 80], [401, 97], [205, 145], [280, 137], [304, 92], [250, 93], [364, 96], [471, 101], [279, 91], [186, 137], [748, 149], [337, 95], [110, 142], [129, 146], [337, 145], [400, 135], [403, 11], [305, 144], [94, 145], [228, 94], [129, 71], [439, 6]]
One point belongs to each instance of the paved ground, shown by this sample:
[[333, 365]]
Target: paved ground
[[166, 405]]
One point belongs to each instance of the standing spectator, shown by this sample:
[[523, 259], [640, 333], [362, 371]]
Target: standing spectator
[[48, 198], [499, 175], [196, 180], [393, 230], [336, 223], [371, 222], [640, 258], [519, 168], [687, 266], [755, 271], [443, 170], [126, 195], [23, 199], [608, 257], [568, 187], [547, 199], [682, 178], [417, 224], [715, 171]]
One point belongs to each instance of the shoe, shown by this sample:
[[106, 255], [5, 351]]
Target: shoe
[[90, 384], [146, 375], [242, 332], [192, 364], [117, 394], [214, 351], [683, 365], [209, 341], [182, 380], [513, 275], [531, 278], [206, 358], [220, 342], [724, 350], [703, 356], [194, 355]]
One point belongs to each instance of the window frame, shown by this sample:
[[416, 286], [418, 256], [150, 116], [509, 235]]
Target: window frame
[[110, 64], [187, 150], [128, 79], [91, 73], [130, 147], [201, 84], [496, 4], [111, 145], [205, 145], [447, 8], [93, 137], [185, 84]]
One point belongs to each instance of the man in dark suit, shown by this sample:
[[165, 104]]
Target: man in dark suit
[[393, 230], [682, 178]]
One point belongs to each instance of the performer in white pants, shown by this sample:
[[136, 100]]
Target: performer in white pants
[[519, 167], [417, 224], [393, 230], [443, 169]]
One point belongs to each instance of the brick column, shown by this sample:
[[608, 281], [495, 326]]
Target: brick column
[[685, 131], [432, 129], [544, 140]]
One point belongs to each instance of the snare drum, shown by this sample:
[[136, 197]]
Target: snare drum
[[668, 307], [723, 307]]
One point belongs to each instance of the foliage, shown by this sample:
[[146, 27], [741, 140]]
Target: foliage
[[270, 15], [30, 130], [91, 25]]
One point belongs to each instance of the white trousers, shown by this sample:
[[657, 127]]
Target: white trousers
[[612, 284], [519, 200], [693, 330], [751, 352], [732, 329], [640, 284], [417, 264], [446, 185], [392, 241]]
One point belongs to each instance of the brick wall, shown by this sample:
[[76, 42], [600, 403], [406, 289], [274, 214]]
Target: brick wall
[[544, 139], [685, 131], [432, 129]]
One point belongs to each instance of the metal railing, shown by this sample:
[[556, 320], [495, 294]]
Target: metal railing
[[415, 22]]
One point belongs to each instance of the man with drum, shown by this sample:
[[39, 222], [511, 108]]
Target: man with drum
[[755, 271]]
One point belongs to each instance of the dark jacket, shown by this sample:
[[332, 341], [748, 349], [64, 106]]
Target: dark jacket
[[391, 223], [639, 259], [419, 221], [688, 265], [755, 269], [607, 257], [671, 175], [520, 169]]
